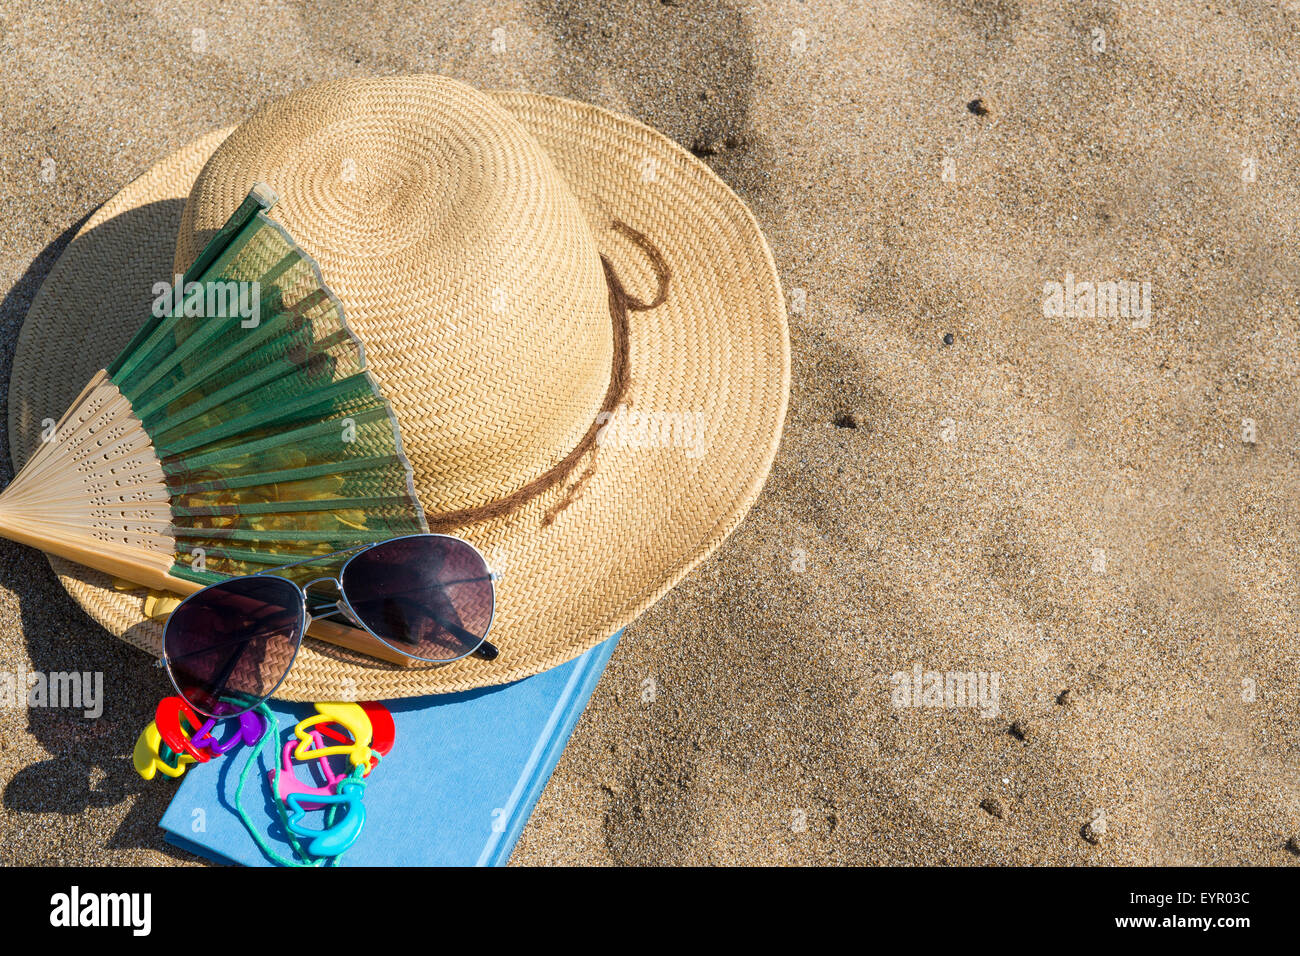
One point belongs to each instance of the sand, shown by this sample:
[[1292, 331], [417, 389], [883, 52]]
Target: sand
[[1071, 504]]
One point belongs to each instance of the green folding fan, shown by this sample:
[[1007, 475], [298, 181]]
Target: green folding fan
[[238, 431]]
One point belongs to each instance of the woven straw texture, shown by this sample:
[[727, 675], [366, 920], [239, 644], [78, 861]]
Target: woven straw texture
[[463, 233]]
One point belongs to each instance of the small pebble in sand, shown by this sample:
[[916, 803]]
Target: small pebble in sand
[[706, 146], [977, 107], [993, 807], [949, 338], [1095, 828], [1019, 730], [711, 143]]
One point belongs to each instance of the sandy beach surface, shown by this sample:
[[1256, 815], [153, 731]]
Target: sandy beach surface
[[1095, 511]]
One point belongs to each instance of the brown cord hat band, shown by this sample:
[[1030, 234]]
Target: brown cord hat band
[[620, 303]]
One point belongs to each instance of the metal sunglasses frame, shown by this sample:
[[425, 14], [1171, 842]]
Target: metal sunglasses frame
[[484, 648]]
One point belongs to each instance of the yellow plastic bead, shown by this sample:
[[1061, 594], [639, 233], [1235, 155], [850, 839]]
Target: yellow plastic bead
[[349, 716], [146, 757], [159, 604]]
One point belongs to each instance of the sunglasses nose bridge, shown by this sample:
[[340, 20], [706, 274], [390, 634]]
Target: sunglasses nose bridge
[[325, 610], [332, 580]]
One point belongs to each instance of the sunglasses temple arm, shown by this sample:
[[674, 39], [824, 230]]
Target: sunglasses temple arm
[[208, 649], [219, 685], [486, 649]]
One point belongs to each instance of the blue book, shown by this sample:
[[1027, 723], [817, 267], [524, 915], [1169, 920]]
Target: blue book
[[462, 779]]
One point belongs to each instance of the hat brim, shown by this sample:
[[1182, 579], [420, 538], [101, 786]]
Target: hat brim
[[710, 367]]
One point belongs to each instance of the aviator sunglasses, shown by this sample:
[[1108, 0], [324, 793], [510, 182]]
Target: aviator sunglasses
[[429, 597]]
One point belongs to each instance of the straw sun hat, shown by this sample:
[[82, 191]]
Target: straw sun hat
[[531, 277]]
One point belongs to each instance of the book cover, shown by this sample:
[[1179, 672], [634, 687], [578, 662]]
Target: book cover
[[462, 779]]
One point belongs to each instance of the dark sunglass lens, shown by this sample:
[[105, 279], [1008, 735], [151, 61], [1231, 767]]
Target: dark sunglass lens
[[229, 646], [429, 596]]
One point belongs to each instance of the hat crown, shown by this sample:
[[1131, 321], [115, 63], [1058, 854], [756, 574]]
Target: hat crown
[[462, 260]]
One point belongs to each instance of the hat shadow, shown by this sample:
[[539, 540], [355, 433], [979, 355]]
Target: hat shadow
[[90, 766]]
